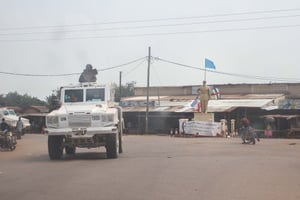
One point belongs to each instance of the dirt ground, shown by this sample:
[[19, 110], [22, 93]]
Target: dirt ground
[[155, 167]]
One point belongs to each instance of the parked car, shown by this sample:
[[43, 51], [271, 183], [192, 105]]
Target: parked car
[[11, 118]]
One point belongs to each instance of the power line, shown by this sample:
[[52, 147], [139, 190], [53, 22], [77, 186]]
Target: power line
[[231, 74], [150, 26], [134, 68], [142, 59], [69, 74], [157, 34], [154, 20], [37, 75], [156, 73], [118, 66]]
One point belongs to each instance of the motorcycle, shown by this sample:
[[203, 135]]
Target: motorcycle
[[249, 136], [8, 140]]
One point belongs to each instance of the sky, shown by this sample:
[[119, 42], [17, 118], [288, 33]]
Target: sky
[[47, 44]]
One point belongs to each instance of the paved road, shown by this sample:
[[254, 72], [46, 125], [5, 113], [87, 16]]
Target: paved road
[[155, 168]]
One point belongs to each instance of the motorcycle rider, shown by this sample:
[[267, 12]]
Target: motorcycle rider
[[8, 142], [247, 128], [4, 126]]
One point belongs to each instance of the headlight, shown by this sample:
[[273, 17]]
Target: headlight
[[107, 118], [52, 121], [62, 119]]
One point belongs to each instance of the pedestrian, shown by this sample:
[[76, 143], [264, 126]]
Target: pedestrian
[[19, 128]]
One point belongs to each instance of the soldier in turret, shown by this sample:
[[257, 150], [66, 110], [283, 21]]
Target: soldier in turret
[[89, 74]]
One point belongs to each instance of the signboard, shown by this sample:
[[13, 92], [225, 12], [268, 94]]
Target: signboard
[[201, 128], [136, 103]]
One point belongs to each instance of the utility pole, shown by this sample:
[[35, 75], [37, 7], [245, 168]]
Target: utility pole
[[120, 86], [148, 81]]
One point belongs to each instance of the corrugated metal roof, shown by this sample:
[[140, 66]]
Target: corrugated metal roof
[[228, 105], [192, 97], [288, 117], [183, 104], [253, 96]]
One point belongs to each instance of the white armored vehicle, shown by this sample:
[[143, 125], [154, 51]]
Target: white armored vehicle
[[87, 118]]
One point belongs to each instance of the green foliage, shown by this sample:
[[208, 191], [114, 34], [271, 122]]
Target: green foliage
[[2, 100], [127, 90], [23, 101], [53, 100]]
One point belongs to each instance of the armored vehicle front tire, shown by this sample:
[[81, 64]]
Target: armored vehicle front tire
[[111, 146], [55, 147]]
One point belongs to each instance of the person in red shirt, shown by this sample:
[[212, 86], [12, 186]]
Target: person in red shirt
[[245, 128], [245, 121]]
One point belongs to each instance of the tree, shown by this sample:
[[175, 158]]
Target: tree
[[53, 100], [22, 101], [127, 90], [2, 100]]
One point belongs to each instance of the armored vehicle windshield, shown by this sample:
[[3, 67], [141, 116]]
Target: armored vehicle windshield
[[84, 95]]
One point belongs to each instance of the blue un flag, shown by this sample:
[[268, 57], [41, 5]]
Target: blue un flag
[[209, 64]]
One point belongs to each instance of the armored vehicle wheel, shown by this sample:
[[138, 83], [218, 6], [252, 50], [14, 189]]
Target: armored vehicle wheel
[[55, 148], [111, 146], [120, 142], [70, 150]]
